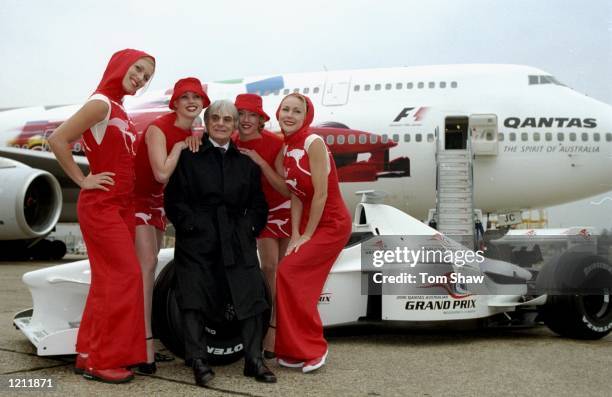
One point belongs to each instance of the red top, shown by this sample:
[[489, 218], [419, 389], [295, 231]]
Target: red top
[[115, 153], [146, 185], [267, 147], [299, 180]]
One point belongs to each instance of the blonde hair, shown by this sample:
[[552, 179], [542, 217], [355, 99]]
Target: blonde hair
[[301, 97]]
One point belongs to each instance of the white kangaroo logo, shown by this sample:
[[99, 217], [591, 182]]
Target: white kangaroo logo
[[145, 217], [280, 225], [293, 184], [297, 154], [129, 138], [285, 204]]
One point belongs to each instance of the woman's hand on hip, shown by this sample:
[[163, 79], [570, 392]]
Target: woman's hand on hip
[[97, 181]]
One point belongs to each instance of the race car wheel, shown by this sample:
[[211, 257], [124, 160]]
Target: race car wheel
[[585, 315], [223, 340]]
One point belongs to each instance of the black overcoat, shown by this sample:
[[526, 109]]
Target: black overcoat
[[217, 207]]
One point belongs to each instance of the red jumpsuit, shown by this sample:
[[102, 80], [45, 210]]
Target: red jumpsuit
[[301, 276], [149, 200], [112, 329], [279, 214]]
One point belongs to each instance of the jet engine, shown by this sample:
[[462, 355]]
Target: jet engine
[[30, 202]]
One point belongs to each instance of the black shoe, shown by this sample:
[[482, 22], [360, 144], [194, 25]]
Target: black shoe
[[258, 370], [202, 372], [146, 368]]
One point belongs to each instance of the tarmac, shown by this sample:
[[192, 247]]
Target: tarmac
[[369, 360]]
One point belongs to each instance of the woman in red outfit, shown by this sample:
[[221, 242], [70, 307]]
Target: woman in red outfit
[[321, 226], [264, 148], [112, 331], [156, 158]]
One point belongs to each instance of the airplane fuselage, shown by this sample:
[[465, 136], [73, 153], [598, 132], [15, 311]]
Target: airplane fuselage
[[541, 143]]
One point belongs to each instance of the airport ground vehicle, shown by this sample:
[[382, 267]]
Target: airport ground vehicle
[[570, 292]]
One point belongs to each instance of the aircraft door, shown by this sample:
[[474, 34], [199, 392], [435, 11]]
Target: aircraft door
[[336, 91], [455, 132], [484, 134]]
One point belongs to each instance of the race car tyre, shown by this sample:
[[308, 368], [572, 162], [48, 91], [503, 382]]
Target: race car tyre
[[587, 314], [223, 340]]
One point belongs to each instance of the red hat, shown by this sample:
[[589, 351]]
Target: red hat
[[252, 103], [185, 85]]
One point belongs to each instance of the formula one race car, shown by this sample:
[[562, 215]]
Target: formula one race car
[[567, 291]]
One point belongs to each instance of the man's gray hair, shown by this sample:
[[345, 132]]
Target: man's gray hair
[[222, 107]]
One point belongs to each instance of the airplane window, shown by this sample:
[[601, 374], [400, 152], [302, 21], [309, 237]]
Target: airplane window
[[548, 136], [330, 139], [388, 86], [500, 137], [596, 137], [340, 140], [546, 80], [608, 137], [560, 136], [430, 138], [385, 138], [363, 139], [398, 86], [316, 90], [377, 87], [524, 136], [453, 84], [351, 139], [442, 84], [421, 84], [285, 91], [306, 90], [432, 84], [555, 81], [536, 136], [585, 137], [296, 90], [409, 85], [418, 137], [276, 92], [366, 87], [533, 80], [572, 136], [395, 137], [512, 136], [406, 137], [356, 88], [489, 136], [372, 139]]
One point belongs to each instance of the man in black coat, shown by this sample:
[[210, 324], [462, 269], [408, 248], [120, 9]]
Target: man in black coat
[[215, 202]]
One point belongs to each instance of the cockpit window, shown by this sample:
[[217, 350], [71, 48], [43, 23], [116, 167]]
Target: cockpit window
[[543, 79]]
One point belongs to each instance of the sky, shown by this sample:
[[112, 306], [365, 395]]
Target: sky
[[54, 52]]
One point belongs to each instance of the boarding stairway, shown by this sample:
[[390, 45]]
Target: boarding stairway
[[455, 194]]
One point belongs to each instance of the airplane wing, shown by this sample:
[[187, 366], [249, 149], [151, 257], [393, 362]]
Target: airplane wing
[[45, 161]]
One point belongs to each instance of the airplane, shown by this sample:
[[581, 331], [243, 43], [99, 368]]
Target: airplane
[[534, 141]]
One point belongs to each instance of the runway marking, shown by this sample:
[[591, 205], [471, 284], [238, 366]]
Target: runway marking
[[34, 369], [71, 362], [182, 382], [35, 355]]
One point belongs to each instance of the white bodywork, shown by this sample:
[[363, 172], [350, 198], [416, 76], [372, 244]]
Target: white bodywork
[[59, 292]]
